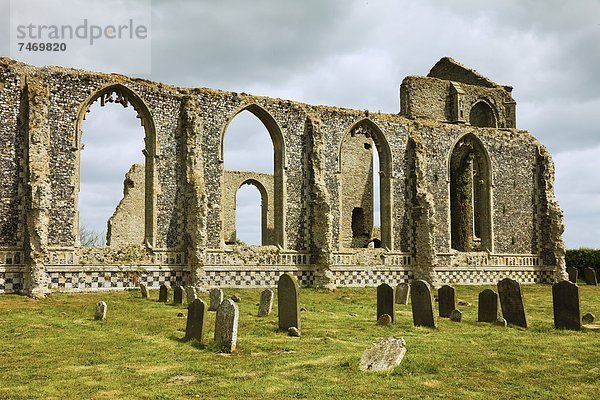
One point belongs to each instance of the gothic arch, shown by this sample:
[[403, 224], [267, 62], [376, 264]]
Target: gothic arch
[[470, 195], [483, 114], [264, 208], [118, 93], [368, 128], [279, 166]]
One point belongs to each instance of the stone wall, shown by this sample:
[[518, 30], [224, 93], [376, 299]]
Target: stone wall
[[126, 225], [232, 181], [187, 219]]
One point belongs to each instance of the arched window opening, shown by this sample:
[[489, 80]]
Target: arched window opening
[[365, 188], [482, 115], [470, 205], [248, 216], [112, 175], [249, 156]]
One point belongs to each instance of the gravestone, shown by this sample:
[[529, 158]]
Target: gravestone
[[195, 320], [511, 302], [446, 300], [590, 276], [456, 315], [177, 295], [588, 318], [573, 274], [216, 298], [288, 304], [266, 303], [386, 301], [422, 304], [565, 299], [144, 290], [402, 293], [384, 320], [163, 293], [191, 294], [487, 306], [383, 355], [100, 314], [226, 325]]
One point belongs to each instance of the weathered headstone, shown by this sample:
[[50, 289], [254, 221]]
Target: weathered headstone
[[163, 293], [386, 301], [100, 314], [422, 304], [402, 293], [590, 276], [216, 298], [446, 300], [456, 315], [384, 320], [573, 274], [191, 294], [195, 320], [177, 295], [288, 304], [266, 303], [383, 355], [226, 325], [487, 306], [511, 301], [565, 299], [144, 290], [588, 318]]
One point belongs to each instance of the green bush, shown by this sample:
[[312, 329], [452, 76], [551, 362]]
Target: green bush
[[582, 258]]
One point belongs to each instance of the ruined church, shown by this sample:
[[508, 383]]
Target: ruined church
[[465, 196]]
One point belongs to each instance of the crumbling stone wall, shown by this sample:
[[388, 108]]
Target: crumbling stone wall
[[126, 225], [185, 215]]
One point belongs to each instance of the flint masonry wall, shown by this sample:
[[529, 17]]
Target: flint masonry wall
[[185, 216]]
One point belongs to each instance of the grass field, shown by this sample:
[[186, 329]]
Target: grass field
[[53, 349]]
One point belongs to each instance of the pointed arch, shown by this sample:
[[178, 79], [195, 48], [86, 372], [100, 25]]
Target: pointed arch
[[470, 195], [483, 114], [118, 93], [279, 164], [264, 208], [367, 127]]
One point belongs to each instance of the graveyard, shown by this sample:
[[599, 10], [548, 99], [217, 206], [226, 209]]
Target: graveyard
[[55, 348]]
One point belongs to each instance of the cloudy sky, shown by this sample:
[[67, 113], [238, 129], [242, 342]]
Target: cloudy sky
[[356, 53]]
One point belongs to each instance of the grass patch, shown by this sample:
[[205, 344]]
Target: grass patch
[[54, 349]]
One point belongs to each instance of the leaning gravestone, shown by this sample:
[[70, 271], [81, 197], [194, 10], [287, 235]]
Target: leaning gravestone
[[177, 295], [191, 294], [383, 355], [590, 276], [195, 320], [487, 306], [402, 293], [226, 325], [216, 298], [144, 290], [446, 300], [511, 301], [266, 303], [163, 293], [100, 314], [386, 301], [288, 304], [422, 304], [573, 274], [565, 299]]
